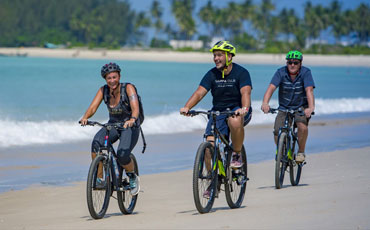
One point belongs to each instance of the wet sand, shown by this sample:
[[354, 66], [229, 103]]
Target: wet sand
[[334, 193]]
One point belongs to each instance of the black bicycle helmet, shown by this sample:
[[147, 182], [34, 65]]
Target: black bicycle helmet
[[108, 68]]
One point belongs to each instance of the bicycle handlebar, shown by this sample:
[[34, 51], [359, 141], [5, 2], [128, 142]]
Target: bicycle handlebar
[[217, 113], [118, 125], [291, 111]]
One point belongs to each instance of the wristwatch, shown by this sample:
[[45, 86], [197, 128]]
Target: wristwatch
[[135, 118]]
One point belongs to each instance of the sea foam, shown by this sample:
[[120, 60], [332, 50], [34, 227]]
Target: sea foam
[[21, 133]]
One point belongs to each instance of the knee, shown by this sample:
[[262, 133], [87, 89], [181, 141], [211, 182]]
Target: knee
[[302, 127], [95, 145], [236, 122], [124, 156]]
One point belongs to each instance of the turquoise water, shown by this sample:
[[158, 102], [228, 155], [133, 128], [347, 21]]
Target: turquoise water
[[46, 89], [41, 100]]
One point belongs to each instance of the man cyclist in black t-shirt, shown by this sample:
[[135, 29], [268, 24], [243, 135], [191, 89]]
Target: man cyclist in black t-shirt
[[231, 87]]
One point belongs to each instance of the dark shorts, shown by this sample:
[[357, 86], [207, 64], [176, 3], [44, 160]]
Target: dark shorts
[[221, 123], [280, 119]]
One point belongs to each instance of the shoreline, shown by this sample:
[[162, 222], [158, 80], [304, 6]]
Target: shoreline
[[332, 183], [65, 163], [191, 57]]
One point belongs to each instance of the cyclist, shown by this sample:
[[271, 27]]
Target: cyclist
[[118, 112], [231, 87], [296, 91]]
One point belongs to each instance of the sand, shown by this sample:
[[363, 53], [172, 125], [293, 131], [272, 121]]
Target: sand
[[334, 193], [197, 57]]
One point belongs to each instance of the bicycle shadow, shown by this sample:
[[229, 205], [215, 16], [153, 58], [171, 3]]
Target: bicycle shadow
[[195, 212], [284, 186], [89, 218]]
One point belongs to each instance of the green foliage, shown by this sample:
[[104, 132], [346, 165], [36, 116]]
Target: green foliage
[[158, 43], [106, 23], [252, 27]]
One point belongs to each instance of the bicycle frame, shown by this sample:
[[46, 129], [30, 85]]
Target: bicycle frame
[[218, 138], [217, 159], [289, 130], [110, 155]]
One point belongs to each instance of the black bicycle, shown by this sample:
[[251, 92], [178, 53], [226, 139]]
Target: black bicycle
[[106, 176], [287, 149], [212, 169]]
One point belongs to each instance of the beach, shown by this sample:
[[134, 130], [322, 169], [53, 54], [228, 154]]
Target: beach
[[334, 193], [195, 57]]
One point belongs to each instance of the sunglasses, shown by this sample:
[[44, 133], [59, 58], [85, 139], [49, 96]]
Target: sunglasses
[[293, 62]]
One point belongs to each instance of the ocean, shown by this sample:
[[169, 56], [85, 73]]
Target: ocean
[[42, 99]]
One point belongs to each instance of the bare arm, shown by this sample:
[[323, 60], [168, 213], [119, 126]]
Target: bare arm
[[194, 99], [246, 100], [310, 100], [266, 98], [93, 107], [134, 104]]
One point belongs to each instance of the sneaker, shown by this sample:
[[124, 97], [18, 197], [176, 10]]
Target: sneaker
[[207, 193], [134, 183], [236, 160], [100, 183], [300, 157]]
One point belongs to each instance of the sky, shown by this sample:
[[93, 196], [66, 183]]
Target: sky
[[298, 5]]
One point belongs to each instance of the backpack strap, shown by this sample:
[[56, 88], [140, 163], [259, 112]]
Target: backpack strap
[[106, 94], [143, 138]]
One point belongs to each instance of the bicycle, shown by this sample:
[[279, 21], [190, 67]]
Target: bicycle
[[286, 149], [219, 171], [112, 177]]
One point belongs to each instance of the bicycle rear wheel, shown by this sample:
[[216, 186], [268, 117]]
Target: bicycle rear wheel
[[98, 194], [236, 181], [295, 169], [126, 201], [280, 164], [204, 179]]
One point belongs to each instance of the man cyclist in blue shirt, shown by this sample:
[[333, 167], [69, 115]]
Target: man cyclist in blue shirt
[[296, 86], [231, 87]]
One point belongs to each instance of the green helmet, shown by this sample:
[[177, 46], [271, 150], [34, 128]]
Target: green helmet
[[294, 54], [225, 46]]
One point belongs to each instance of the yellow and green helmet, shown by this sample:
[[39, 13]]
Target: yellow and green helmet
[[294, 54], [224, 46]]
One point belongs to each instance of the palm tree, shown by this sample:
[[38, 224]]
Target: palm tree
[[361, 22], [182, 10], [288, 21], [156, 12], [206, 14], [263, 18]]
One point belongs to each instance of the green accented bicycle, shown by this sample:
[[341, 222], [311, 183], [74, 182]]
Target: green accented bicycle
[[287, 150], [212, 169]]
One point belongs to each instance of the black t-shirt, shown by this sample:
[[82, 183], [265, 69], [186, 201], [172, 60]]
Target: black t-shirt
[[226, 91]]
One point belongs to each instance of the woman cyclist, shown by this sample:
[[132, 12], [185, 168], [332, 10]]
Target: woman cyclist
[[118, 112]]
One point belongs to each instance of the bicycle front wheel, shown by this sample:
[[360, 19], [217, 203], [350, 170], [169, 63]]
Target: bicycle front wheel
[[126, 201], [98, 189], [204, 178], [295, 169], [280, 164], [236, 181]]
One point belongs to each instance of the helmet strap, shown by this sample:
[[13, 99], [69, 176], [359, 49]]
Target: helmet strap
[[226, 65]]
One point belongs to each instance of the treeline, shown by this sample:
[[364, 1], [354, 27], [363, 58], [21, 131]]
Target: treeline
[[250, 26]]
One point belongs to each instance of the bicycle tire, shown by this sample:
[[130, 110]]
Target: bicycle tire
[[98, 198], [126, 201], [295, 169], [236, 181], [202, 179], [280, 164]]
